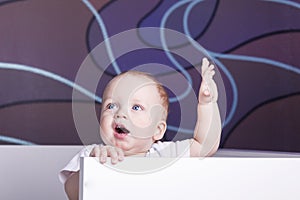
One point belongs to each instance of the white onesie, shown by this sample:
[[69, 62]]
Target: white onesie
[[158, 149]]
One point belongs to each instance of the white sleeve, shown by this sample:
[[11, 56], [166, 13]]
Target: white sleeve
[[170, 149], [74, 164]]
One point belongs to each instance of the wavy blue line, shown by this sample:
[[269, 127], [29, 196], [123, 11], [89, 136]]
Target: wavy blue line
[[51, 75], [289, 3], [105, 35], [220, 64], [234, 90], [117, 69], [15, 140], [257, 60], [166, 50], [260, 60], [181, 130]]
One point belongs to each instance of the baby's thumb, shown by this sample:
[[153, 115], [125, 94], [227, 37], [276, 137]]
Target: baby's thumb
[[206, 92]]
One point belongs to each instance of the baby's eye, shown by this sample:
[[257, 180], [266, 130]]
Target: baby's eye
[[137, 107], [111, 106]]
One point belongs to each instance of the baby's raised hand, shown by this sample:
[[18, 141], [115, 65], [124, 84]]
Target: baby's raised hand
[[103, 151], [208, 91]]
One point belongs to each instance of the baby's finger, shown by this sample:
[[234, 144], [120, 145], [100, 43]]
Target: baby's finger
[[211, 73], [211, 68], [120, 154], [206, 92], [103, 154], [113, 155], [205, 64], [95, 152]]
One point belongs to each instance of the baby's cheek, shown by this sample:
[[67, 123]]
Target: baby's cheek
[[104, 125], [141, 120], [147, 119], [105, 131]]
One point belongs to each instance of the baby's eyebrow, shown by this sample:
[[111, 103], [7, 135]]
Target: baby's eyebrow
[[138, 100], [105, 101]]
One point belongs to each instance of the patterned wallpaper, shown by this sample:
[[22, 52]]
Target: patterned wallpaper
[[254, 44]]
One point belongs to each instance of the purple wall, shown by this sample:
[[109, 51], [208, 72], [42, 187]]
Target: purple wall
[[254, 43]]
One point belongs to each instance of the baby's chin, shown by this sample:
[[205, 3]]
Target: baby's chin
[[131, 149], [122, 144]]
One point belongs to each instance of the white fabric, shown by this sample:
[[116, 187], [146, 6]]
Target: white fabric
[[170, 149], [158, 149]]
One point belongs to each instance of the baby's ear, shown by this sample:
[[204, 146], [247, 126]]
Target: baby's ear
[[160, 130]]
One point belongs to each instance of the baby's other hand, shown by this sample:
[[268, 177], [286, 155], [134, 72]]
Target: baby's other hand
[[208, 91], [103, 151]]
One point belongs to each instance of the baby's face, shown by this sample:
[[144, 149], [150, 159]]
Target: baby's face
[[132, 114]]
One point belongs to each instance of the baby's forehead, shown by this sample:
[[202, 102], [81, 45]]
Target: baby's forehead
[[127, 83]]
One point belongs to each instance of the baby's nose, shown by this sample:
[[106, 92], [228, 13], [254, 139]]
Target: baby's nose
[[121, 114]]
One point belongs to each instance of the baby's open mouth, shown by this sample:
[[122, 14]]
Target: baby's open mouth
[[121, 129]]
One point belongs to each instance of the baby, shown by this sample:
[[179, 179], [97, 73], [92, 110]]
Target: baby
[[133, 120]]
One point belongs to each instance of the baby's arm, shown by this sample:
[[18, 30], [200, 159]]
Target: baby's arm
[[72, 186], [208, 126]]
